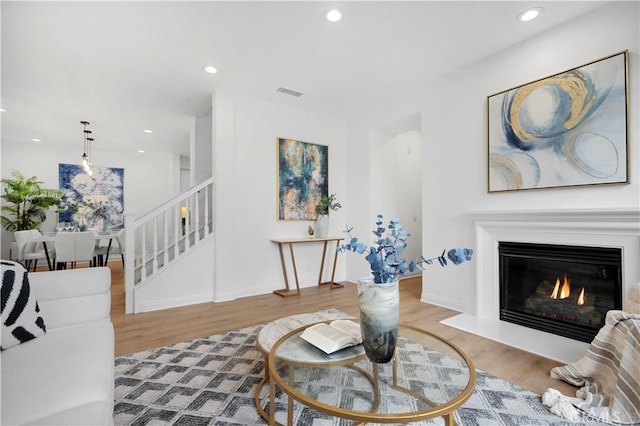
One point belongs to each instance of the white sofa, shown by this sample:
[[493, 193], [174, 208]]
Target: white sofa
[[65, 377]]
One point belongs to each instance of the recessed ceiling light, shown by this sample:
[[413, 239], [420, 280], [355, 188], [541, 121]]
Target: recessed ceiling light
[[36, 140], [2, 110], [148, 131], [141, 151], [529, 14], [334, 15], [211, 70]]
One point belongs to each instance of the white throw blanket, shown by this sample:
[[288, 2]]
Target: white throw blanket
[[609, 374]]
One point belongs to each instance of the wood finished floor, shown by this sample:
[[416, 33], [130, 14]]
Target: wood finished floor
[[147, 330]]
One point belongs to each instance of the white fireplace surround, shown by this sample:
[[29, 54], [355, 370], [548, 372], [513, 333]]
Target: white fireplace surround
[[618, 228]]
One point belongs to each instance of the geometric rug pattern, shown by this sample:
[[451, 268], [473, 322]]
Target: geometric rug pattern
[[211, 381]]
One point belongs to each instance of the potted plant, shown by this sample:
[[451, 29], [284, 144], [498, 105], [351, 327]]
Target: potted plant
[[326, 203], [26, 202], [378, 295]]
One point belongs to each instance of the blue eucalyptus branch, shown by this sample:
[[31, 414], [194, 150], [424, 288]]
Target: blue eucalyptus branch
[[384, 258]]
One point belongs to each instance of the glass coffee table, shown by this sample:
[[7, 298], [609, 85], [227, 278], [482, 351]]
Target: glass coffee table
[[427, 378]]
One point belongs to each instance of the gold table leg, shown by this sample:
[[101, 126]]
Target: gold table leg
[[272, 402], [332, 283], [289, 399], [286, 292]]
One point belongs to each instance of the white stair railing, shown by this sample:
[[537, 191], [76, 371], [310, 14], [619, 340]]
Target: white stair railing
[[158, 238]]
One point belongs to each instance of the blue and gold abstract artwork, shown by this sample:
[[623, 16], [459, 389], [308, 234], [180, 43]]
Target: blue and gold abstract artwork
[[303, 177], [95, 202], [569, 129]]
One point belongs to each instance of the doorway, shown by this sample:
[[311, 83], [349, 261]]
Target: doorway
[[396, 178]]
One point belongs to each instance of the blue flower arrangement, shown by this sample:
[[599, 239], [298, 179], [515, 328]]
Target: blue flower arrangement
[[384, 258]]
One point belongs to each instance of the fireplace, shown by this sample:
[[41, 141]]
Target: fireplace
[[561, 289], [611, 228]]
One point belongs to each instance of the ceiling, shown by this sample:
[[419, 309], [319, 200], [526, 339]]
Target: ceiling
[[130, 66]]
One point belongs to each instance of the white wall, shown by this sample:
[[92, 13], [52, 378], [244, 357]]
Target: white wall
[[605, 31], [358, 192], [149, 179], [245, 158], [185, 173], [202, 154], [171, 287], [454, 139]]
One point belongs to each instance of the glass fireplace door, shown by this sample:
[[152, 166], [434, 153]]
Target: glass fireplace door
[[565, 290]]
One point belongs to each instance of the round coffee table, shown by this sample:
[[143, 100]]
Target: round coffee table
[[428, 377]]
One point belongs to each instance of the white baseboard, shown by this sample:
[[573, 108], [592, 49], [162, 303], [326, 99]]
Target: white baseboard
[[174, 302], [444, 302], [223, 296], [258, 291]]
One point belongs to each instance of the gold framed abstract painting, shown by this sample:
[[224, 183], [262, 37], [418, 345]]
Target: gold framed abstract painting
[[303, 178], [568, 129]]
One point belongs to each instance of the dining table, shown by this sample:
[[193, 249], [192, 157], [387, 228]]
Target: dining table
[[100, 236]]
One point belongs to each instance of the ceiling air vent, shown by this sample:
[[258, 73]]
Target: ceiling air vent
[[289, 92]]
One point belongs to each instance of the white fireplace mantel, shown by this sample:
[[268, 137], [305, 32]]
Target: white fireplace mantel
[[618, 228]]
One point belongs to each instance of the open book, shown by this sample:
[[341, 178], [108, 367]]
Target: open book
[[338, 334]]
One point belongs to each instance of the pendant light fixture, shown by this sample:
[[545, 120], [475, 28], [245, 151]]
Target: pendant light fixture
[[89, 168], [86, 164]]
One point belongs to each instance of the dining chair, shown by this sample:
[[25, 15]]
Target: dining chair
[[28, 251], [85, 247], [74, 247], [103, 251], [65, 249], [120, 238]]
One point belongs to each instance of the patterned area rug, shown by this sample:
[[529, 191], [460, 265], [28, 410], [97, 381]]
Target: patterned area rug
[[211, 381]]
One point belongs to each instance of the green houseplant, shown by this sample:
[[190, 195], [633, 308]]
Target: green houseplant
[[326, 203], [25, 202]]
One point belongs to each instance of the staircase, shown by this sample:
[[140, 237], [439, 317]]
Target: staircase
[[157, 240]]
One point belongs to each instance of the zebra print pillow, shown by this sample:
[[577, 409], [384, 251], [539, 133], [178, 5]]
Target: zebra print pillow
[[21, 319]]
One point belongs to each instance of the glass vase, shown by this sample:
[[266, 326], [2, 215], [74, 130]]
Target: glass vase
[[379, 314]]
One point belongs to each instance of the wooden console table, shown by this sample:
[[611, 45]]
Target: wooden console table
[[291, 241]]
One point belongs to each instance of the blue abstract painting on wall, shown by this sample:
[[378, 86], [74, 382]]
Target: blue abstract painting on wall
[[94, 202], [568, 129], [303, 177]]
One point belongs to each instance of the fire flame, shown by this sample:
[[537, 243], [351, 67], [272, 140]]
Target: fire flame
[[554, 295], [561, 292]]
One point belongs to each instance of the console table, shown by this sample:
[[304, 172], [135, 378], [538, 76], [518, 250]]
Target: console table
[[287, 291]]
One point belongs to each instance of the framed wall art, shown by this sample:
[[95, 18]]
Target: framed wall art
[[569, 129], [303, 177], [94, 202]]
